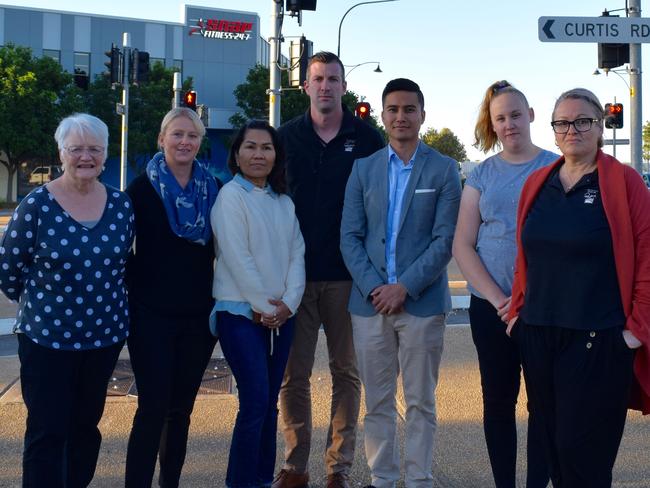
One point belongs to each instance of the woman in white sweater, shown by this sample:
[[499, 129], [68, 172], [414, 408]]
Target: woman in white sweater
[[258, 283]]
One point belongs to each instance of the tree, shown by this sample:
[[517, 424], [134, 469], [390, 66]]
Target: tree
[[446, 143], [646, 142], [35, 93], [252, 99], [148, 104]]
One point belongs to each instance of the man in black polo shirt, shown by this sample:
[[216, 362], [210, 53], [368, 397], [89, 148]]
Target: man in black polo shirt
[[321, 147]]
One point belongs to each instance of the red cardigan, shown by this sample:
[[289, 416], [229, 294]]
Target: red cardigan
[[626, 201]]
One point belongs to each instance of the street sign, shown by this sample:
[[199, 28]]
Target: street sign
[[619, 142], [608, 30]]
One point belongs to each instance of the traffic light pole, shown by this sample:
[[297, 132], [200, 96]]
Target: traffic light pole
[[126, 43], [636, 122], [274, 92], [177, 87]]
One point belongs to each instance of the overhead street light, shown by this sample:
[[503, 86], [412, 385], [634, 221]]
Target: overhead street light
[[338, 47], [617, 72], [355, 66]]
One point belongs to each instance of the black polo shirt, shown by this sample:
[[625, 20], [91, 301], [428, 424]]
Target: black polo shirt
[[567, 242], [317, 173]]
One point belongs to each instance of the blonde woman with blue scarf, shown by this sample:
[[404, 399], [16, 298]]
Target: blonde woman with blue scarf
[[170, 280]]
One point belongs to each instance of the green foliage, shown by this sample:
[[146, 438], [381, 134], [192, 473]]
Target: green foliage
[[148, 104], [646, 142], [252, 99], [35, 93], [445, 142]]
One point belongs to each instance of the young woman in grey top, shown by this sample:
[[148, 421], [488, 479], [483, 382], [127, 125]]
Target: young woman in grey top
[[485, 249]]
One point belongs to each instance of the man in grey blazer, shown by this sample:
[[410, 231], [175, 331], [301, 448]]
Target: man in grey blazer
[[398, 224]]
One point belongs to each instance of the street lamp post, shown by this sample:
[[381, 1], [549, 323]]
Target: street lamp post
[[355, 66], [338, 47]]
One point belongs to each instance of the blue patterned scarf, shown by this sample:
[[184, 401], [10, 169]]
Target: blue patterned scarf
[[188, 210]]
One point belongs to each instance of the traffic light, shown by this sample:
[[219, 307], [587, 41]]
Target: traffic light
[[114, 64], [362, 110], [612, 56], [189, 99], [298, 5], [139, 66], [299, 51], [614, 115]]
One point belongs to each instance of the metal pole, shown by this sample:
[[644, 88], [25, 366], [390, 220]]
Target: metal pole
[[636, 122], [177, 87], [338, 46], [126, 43], [614, 142], [274, 91]]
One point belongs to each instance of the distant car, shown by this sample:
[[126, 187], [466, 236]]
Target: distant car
[[44, 174], [646, 179]]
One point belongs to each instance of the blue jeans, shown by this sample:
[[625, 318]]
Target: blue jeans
[[247, 348]]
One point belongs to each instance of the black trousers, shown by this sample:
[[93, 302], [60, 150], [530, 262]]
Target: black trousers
[[579, 381], [64, 392], [169, 357], [500, 367]]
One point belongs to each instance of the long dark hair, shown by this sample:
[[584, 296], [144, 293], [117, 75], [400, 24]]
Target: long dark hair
[[277, 177]]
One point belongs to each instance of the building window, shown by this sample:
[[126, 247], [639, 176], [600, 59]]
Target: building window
[[177, 65], [82, 70], [52, 53], [153, 61]]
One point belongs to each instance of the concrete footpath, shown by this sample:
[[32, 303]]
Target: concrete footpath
[[460, 459]]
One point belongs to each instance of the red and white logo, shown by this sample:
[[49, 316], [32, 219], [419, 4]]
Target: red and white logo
[[221, 29]]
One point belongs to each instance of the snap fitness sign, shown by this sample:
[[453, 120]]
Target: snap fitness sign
[[232, 30]]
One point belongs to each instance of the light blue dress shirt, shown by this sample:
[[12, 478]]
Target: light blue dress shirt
[[398, 178]]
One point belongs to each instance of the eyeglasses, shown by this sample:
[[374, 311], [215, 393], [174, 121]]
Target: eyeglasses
[[77, 151], [580, 125]]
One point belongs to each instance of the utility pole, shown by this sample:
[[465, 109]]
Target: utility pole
[[636, 123], [124, 109], [177, 86], [274, 90]]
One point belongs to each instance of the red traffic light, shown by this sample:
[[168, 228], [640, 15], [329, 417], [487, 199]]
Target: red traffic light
[[614, 115], [362, 110], [189, 99]]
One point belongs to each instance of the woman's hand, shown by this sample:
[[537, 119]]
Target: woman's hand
[[503, 308], [511, 324], [631, 340], [278, 317]]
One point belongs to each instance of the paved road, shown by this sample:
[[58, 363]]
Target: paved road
[[460, 459]]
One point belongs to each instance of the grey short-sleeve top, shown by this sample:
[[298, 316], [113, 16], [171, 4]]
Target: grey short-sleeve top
[[499, 183]]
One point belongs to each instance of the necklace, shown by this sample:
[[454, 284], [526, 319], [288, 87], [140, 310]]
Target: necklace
[[568, 182]]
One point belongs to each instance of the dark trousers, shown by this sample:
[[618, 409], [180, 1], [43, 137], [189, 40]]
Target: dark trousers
[[169, 357], [64, 392], [500, 367], [258, 372], [579, 382]]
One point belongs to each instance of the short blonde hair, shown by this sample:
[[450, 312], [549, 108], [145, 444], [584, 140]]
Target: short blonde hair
[[181, 112], [587, 96]]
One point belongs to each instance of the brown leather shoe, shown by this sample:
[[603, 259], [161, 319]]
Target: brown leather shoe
[[337, 480], [287, 479]]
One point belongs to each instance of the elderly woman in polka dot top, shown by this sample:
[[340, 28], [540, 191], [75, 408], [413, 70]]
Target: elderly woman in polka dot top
[[62, 258]]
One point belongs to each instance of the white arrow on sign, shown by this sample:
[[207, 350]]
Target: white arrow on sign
[[612, 30]]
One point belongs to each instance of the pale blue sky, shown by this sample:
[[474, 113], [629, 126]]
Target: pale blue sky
[[453, 49]]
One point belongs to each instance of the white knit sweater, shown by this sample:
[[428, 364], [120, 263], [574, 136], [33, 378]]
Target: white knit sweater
[[259, 247]]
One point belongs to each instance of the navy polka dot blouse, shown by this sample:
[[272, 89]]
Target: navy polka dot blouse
[[68, 278]]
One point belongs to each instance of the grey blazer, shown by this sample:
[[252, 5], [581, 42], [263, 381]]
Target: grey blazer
[[425, 233]]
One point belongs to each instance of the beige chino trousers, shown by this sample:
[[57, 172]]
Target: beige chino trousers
[[386, 345]]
